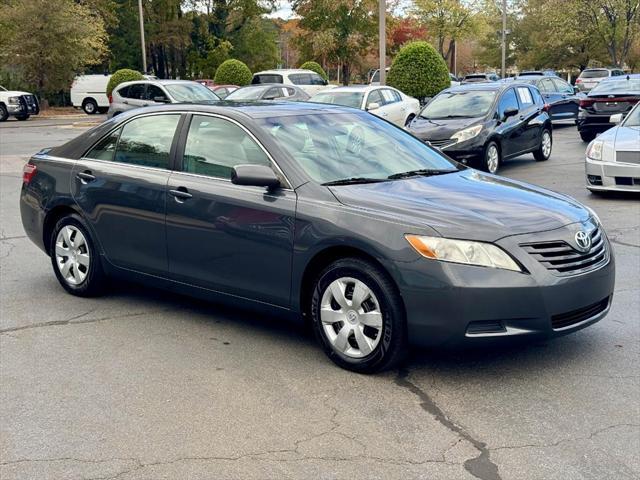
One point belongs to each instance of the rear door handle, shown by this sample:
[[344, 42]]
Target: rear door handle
[[125, 102], [180, 194], [85, 177]]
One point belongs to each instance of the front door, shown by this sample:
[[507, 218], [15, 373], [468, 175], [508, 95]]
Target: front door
[[511, 128], [224, 237], [120, 185]]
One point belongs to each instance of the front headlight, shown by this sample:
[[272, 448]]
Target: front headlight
[[467, 133], [14, 100], [463, 251], [594, 150]]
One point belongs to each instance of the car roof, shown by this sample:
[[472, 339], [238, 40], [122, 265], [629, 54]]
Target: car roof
[[280, 71], [356, 88], [487, 86], [156, 82], [622, 78]]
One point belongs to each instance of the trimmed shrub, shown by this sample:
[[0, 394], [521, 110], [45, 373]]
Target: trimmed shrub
[[233, 72], [120, 76], [315, 67], [419, 71]]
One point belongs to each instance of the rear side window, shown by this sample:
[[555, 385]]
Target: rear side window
[[300, 78], [524, 95], [153, 92], [214, 146], [266, 78], [275, 92], [537, 98], [106, 147], [562, 86], [123, 92], [547, 86], [146, 141], [390, 96], [507, 101]]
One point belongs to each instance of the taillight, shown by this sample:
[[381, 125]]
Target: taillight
[[578, 80], [28, 172], [110, 98], [546, 107], [584, 103]]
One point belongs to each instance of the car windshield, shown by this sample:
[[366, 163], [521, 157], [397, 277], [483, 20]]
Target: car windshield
[[246, 93], [353, 147], [594, 74], [190, 92], [631, 86], [347, 99], [470, 103], [633, 119]]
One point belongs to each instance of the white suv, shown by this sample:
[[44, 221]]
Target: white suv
[[18, 104], [307, 80], [590, 77]]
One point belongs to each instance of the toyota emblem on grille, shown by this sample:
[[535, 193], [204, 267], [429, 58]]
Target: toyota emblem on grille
[[583, 240]]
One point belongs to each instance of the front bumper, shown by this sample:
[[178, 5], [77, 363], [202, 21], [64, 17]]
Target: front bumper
[[460, 305], [612, 176]]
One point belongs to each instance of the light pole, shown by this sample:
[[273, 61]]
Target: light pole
[[382, 37], [504, 38], [144, 50]]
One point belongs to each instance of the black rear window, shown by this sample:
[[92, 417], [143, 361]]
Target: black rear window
[[266, 78], [594, 74]]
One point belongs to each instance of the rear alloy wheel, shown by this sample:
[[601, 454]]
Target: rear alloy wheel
[[75, 259], [23, 117], [491, 161], [544, 152], [90, 106], [358, 317]]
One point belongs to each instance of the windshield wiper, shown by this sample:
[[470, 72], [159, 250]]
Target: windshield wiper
[[353, 181], [425, 172]]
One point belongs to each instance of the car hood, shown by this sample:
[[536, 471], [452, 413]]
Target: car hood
[[466, 204], [440, 129], [627, 139], [13, 93]]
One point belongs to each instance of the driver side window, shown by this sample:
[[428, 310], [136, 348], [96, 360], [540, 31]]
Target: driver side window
[[375, 97], [508, 100]]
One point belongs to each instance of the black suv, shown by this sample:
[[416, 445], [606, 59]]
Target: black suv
[[486, 123]]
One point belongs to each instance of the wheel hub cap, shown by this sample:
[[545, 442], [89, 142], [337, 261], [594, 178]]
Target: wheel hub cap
[[72, 255], [351, 317]]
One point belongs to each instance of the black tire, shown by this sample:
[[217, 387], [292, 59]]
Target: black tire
[[540, 154], [587, 136], [409, 119], [103, 110], [486, 163], [94, 281], [392, 345], [23, 117], [4, 114], [90, 106]]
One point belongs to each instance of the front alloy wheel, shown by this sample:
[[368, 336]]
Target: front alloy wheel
[[358, 316], [492, 158]]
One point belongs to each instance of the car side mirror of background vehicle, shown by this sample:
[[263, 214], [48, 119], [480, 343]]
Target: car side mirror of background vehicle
[[254, 175], [510, 112], [161, 99], [373, 106], [617, 118], [576, 90]]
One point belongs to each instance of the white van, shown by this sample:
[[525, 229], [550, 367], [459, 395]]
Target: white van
[[89, 93]]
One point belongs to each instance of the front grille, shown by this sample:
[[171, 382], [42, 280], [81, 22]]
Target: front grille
[[442, 144], [628, 157], [562, 259], [564, 320]]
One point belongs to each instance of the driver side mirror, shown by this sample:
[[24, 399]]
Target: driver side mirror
[[576, 90], [254, 175], [161, 99], [510, 112], [373, 106]]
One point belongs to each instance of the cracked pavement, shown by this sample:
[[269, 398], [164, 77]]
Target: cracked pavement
[[144, 384]]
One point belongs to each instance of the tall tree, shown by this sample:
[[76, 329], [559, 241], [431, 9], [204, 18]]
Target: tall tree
[[62, 37], [351, 23]]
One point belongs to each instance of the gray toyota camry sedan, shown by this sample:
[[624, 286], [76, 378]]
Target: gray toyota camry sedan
[[318, 211]]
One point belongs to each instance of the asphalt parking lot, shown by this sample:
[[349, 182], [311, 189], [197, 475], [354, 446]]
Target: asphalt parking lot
[[143, 384]]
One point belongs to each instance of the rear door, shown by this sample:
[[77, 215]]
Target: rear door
[[551, 97], [567, 104], [528, 117], [120, 186], [393, 104], [224, 237]]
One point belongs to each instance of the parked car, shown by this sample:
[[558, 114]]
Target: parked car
[[307, 80], [144, 93], [538, 73], [562, 98], [612, 160], [320, 212], [480, 78], [385, 102], [590, 77], [89, 92], [223, 91], [277, 91], [20, 105], [611, 96], [454, 81], [485, 124], [207, 82]]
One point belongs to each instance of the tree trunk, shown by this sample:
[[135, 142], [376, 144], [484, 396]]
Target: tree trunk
[[346, 73]]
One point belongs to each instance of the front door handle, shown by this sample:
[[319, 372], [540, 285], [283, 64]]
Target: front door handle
[[180, 194], [85, 177]]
